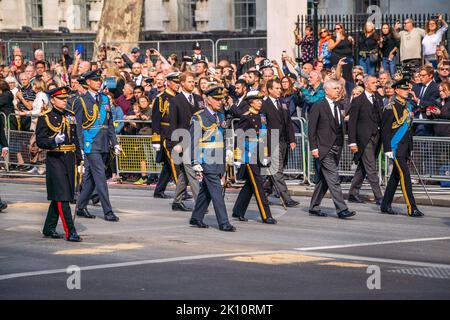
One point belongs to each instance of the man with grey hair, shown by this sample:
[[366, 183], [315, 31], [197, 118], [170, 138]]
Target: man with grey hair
[[364, 139], [326, 138], [38, 55]]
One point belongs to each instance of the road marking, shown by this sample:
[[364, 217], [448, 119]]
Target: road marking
[[278, 258], [366, 244], [101, 249]]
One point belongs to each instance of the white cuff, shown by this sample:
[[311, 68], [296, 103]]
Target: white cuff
[[352, 145]]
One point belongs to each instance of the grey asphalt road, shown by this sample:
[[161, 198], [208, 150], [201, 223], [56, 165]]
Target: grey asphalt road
[[152, 253]]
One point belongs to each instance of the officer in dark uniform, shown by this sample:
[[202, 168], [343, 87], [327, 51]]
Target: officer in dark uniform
[[97, 137], [162, 133], [197, 55], [398, 144], [207, 152], [56, 132], [4, 153], [248, 158]]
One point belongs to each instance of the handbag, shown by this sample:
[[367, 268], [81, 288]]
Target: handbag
[[373, 56]]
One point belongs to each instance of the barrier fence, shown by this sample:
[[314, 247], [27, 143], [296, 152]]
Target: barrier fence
[[431, 155]]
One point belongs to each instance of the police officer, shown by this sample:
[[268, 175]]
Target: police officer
[[56, 132], [96, 138], [162, 133], [398, 144], [197, 55], [253, 141], [207, 152]]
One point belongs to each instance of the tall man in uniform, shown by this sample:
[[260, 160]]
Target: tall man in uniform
[[364, 139], [278, 118], [162, 133], [252, 153], [326, 138], [181, 109], [56, 132], [97, 137], [208, 160], [398, 144]]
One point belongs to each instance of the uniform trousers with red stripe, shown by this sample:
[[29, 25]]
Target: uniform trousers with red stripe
[[59, 209]]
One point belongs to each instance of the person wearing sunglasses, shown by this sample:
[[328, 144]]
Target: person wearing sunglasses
[[432, 39], [323, 52], [341, 46], [443, 72]]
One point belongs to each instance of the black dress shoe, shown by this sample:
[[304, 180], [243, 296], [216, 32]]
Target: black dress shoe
[[355, 199], [53, 235], [317, 213], [161, 196], [110, 216], [271, 203], [85, 214], [198, 223], [379, 201], [3, 206], [416, 214], [180, 207], [95, 200], [240, 218], [346, 214], [291, 203], [227, 227], [188, 196], [388, 210], [73, 237], [270, 221]]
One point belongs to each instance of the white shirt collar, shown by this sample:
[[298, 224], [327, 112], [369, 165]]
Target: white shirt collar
[[369, 95], [211, 111], [330, 102], [274, 101], [187, 94]]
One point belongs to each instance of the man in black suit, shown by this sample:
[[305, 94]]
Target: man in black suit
[[181, 109], [4, 153], [240, 106], [364, 139], [278, 118], [326, 138]]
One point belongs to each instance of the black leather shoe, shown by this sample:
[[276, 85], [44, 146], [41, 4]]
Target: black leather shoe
[[110, 216], [73, 237], [161, 196], [379, 201], [227, 227], [346, 214], [187, 196], [198, 223], [270, 221], [291, 203], [388, 211], [416, 214], [85, 214], [53, 235], [271, 203], [317, 213], [240, 218], [3, 206], [355, 199], [95, 200], [180, 207]]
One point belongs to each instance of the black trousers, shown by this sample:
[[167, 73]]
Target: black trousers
[[400, 173], [62, 210], [169, 170], [253, 185]]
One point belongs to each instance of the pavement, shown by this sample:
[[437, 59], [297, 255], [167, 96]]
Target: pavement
[[153, 253]]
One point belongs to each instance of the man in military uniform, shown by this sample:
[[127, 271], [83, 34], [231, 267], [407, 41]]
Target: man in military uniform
[[162, 133], [56, 132], [398, 144], [96, 134], [254, 141], [207, 152]]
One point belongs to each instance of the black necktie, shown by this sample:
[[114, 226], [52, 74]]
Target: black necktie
[[336, 114], [422, 91], [373, 99], [96, 99], [191, 101]]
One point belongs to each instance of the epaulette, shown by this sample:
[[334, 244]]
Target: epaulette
[[199, 112], [70, 111], [45, 112], [246, 113], [160, 94]]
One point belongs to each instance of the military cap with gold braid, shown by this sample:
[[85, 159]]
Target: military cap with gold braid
[[93, 75], [60, 92], [401, 84], [254, 95], [174, 76], [216, 92]]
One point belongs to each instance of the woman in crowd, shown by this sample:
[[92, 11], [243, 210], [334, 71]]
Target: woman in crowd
[[368, 48], [290, 99], [389, 48], [341, 46], [323, 50], [145, 114], [110, 70], [389, 93], [18, 66], [432, 40], [442, 112], [441, 53]]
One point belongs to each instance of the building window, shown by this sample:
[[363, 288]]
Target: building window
[[361, 6], [34, 13], [244, 14], [186, 15], [81, 14]]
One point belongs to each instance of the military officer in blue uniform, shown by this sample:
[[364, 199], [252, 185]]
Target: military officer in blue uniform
[[97, 137], [162, 133], [208, 159], [56, 133], [251, 154], [398, 145]]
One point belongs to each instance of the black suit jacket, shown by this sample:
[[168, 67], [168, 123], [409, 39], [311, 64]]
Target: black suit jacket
[[276, 121], [363, 123], [3, 140], [429, 98], [238, 110], [180, 114], [443, 130], [322, 129]]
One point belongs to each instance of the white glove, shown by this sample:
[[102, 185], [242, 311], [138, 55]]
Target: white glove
[[197, 168], [82, 155], [118, 150], [389, 154], [230, 154], [81, 169], [237, 164], [5, 152], [60, 137], [265, 162], [157, 147]]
